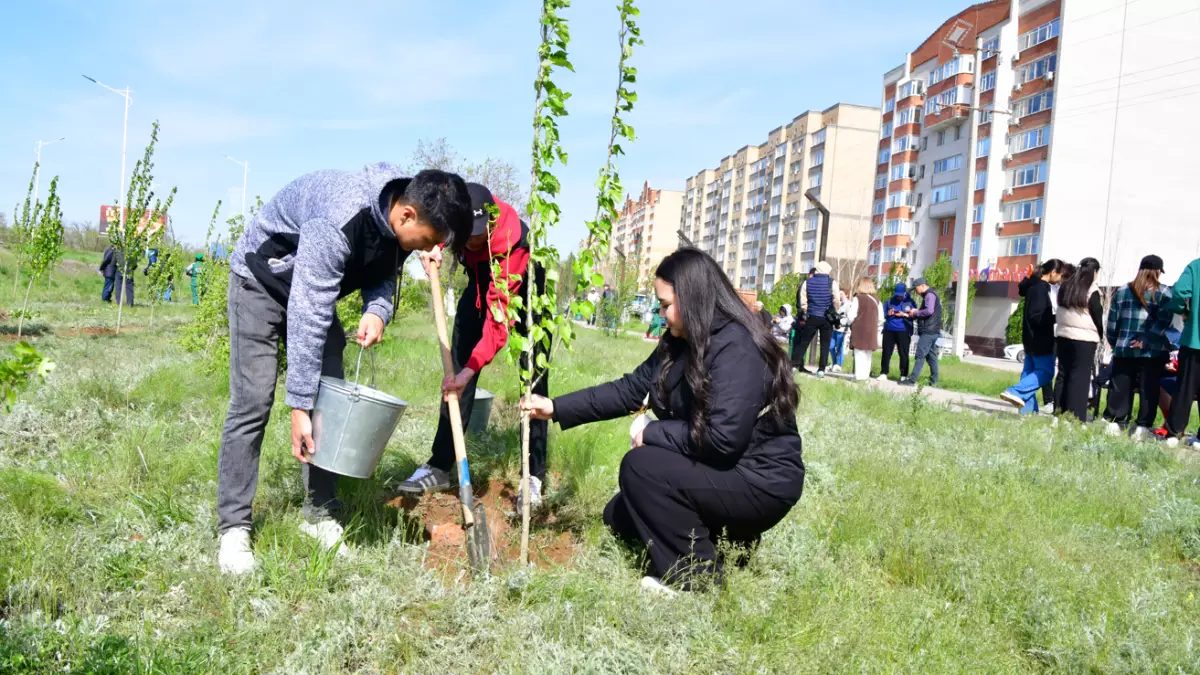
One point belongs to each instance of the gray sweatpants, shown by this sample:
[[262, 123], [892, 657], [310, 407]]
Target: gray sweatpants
[[256, 325]]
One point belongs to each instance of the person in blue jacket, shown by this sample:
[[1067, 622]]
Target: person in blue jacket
[[897, 330]]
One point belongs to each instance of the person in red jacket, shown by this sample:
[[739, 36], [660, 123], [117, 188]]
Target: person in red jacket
[[479, 336]]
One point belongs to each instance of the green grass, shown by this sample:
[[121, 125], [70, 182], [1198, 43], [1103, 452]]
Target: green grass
[[926, 541]]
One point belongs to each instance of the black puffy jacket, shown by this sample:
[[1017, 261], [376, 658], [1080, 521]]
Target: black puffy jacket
[[741, 436]]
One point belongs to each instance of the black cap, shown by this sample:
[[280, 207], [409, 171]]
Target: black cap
[[920, 282], [481, 197], [1152, 263]]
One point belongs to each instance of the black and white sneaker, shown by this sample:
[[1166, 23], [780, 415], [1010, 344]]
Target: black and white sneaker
[[425, 479]]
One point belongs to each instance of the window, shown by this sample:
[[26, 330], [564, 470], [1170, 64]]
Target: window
[[934, 105], [1027, 140], [921, 173], [816, 180], [981, 180], [809, 245], [1038, 35], [950, 69], [789, 229], [988, 81], [977, 214], [811, 223], [948, 164], [958, 133], [946, 227], [797, 166], [873, 258], [900, 199], [1033, 104], [741, 172], [944, 193], [904, 144], [889, 105], [1024, 245], [908, 116], [984, 147], [885, 155], [991, 47], [780, 150], [899, 227], [893, 253], [924, 142], [879, 208], [1030, 174], [1026, 210], [985, 115], [885, 130], [728, 175], [902, 171], [876, 232], [975, 246], [819, 137], [881, 181], [941, 139], [771, 249], [910, 88], [1039, 68], [818, 158]]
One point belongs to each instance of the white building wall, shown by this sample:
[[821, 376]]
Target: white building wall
[[1130, 125]]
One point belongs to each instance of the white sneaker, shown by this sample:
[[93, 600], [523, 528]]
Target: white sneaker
[[656, 587], [328, 534], [882, 378], [535, 492], [1113, 429], [820, 373], [235, 556], [1172, 442], [1139, 433]]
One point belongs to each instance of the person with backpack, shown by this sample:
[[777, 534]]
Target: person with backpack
[[1080, 321], [1037, 337], [897, 330], [481, 330], [322, 237], [864, 315], [1137, 333], [1184, 294], [817, 298], [929, 330]]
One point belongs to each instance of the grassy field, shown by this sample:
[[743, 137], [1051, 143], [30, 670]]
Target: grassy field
[[926, 541]]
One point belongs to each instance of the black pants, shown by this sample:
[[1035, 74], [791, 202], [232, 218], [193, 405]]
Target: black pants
[[114, 284], [462, 344], [1189, 386], [818, 326], [1147, 375], [893, 340], [679, 508], [1075, 362]]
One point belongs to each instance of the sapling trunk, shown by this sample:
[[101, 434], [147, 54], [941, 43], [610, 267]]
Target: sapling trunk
[[24, 308], [121, 294]]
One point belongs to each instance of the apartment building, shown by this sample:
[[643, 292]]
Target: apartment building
[[751, 214], [1106, 182], [647, 229]]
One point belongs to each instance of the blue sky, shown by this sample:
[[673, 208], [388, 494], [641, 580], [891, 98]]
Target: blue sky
[[297, 86]]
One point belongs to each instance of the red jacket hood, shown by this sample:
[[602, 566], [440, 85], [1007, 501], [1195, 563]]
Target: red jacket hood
[[504, 237]]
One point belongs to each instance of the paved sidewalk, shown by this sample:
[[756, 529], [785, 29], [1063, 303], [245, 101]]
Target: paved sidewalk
[[955, 400], [997, 364]]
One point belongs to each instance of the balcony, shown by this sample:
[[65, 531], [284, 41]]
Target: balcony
[[948, 115], [944, 209]]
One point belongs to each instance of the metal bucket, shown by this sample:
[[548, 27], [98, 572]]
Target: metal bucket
[[481, 412], [352, 424]]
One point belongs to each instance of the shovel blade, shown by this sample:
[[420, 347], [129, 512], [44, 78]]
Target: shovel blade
[[479, 543]]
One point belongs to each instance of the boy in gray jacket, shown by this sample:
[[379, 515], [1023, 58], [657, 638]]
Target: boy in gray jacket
[[322, 237]]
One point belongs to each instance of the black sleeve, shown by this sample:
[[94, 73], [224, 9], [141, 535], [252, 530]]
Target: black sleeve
[[738, 391], [1096, 309], [609, 400], [1037, 308], [108, 258]]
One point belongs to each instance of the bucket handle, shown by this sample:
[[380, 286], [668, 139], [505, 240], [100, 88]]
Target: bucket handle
[[358, 366]]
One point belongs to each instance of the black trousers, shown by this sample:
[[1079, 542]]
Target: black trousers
[[462, 343], [1075, 362], [679, 508], [1189, 386], [1147, 374], [813, 326], [895, 339]]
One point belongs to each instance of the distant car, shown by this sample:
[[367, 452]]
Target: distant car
[[945, 345], [1015, 353]]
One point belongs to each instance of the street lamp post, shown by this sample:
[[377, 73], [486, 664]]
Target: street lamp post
[[245, 174], [37, 174], [124, 140]]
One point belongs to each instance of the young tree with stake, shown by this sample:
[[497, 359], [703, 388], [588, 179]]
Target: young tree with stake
[[43, 245]]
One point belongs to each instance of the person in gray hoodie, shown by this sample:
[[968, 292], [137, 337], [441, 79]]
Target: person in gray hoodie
[[323, 236]]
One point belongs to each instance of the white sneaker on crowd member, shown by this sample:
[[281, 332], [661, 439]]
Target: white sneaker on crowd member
[[1139, 433], [328, 533], [820, 373], [1012, 399], [1172, 442], [235, 556], [1113, 429], [882, 377], [1194, 442], [655, 586]]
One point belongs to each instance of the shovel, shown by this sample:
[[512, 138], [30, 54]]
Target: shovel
[[474, 517]]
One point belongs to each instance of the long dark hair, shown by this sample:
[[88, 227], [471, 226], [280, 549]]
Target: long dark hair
[[1051, 266], [1076, 291], [703, 294]]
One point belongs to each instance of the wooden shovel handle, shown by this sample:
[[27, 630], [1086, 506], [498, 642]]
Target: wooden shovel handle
[[456, 426]]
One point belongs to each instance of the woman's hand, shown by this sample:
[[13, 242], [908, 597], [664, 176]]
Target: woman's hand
[[538, 407], [637, 441]]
